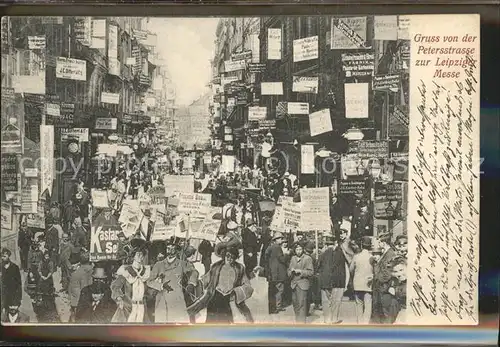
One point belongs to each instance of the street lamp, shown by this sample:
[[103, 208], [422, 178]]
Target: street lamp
[[323, 153], [374, 168], [390, 210]]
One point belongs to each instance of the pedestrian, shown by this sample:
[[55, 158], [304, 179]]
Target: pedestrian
[[251, 245], [333, 277], [95, 305], [206, 250], [381, 310], [35, 253], [11, 281], [300, 271], [129, 287], [24, 244], [225, 284], [401, 245], [276, 262], [168, 278], [13, 315], [80, 278], [398, 289], [65, 251], [79, 237], [361, 270], [314, 293], [68, 214], [363, 223], [46, 270], [52, 238]]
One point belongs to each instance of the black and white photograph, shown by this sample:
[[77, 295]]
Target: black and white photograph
[[235, 170]]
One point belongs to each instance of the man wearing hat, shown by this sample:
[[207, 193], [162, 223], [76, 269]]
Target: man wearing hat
[[172, 277], [128, 290], [13, 315], [226, 283], [65, 251], [381, 313], [363, 223], [52, 239], [362, 274], [80, 278], [95, 305], [276, 266], [11, 280], [250, 246], [300, 270]]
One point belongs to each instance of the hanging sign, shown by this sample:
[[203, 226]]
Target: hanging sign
[[83, 30], [256, 67], [106, 123], [358, 64], [110, 98], [356, 100], [386, 82], [403, 27], [298, 108], [303, 84], [305, 49], [354, 187], [72, 69], [37, 220], [274, 44], [113, 63], [315, 211], [82, 134], [271, 88], [234, 65], [307, 159], [104, 237], [47, 158], [29, 199], [257, 113], [36, 42], [385, 28], [372, 149], [348, 33], [6, 216], [320, 122], [9, 173]]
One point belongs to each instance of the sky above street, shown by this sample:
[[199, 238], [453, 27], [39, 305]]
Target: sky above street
[[186, 45]]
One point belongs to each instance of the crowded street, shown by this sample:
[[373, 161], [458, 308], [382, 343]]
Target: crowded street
[[232, 180]]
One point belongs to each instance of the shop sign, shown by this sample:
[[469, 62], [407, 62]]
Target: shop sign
[[106, 123], [271, 88], [256, 67], [245, 55], [257, 113], [348, 33], [370, 149], [82, 134], [386, 82], [231, 65], [304, 84], [358, 64], [305, 49], [73, 69], [110, 98], [9, 173]]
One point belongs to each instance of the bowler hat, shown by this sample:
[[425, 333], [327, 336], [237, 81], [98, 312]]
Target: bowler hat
[[277, 235], [309, 246], [99, 272]]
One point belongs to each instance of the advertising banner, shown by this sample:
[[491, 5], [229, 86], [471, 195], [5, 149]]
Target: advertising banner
[[113, 63], [348, 33], [274, 44], [9, 173], [386, 28], [29, 198], [257, 113], [194, 204], [315, 208], [354, 187], [371, 149], [37, 220], [234, 65], [298, 108], [36, 42], [386, 82], [356, 100], [73, 69], [47, 158], [304, 84], [320, 122], [403, 27], [305, 49], [292, 215], [106, 123], [83, 30], [82, 134], [104, 237], [271, 88], [307, 159], [110, 98], [358, 64]]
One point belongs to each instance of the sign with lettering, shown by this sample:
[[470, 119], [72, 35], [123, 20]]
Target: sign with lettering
[[6, 216], [274, 44], [47, 158], [161, 230], [9, 173], [305, 49], [292, 215], [83, 30], [178, 184], [256, 67], [257, 113], [358, 64], [82, 134], [367, 149], [320, 122], [355, 187], [403, 27], [245, 55], [37, 220], [104, 237], [73, 69], [114, 67], [106, 123], [298, 108], [234, 65], [348, 33], [194, 204], [385, 28], [315, 208], [267, 124], [304, 84], [208, 230], [29, 198], [307, 159], [110, 98], [386, 82], [36, 42], [399, 121], [356, 100]]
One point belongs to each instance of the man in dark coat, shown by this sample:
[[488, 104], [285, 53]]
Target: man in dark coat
[[382, 274], [362, 224], [95, 305], [206, 249], [332, 277], [250, 247], [13, 315], [24, 243], [52, 239], [11, 281], [276, 263]]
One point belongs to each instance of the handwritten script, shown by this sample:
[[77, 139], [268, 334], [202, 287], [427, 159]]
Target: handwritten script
[[444, 172]]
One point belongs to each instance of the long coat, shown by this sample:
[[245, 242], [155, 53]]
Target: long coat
[[250, 245], [277, 263], [362, 271], [332, 269], [382, 271], [12, 290], [242, 289], [79, 279], [103, 312], [170, 305]]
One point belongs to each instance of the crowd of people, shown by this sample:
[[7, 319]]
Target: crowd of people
[[179, 281]]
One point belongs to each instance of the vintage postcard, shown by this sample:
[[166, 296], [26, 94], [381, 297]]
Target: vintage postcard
[[232, 170]]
